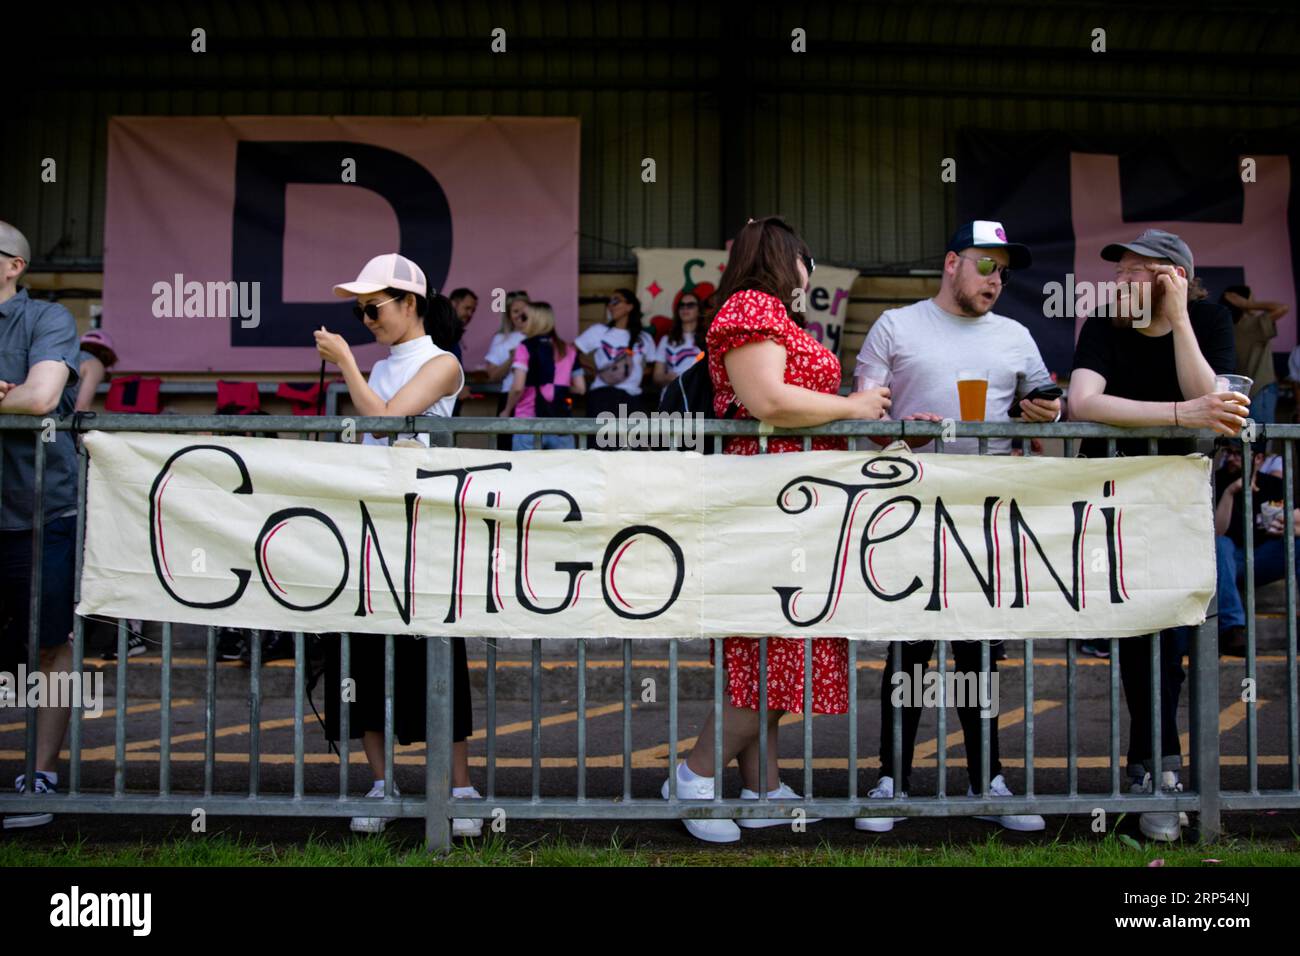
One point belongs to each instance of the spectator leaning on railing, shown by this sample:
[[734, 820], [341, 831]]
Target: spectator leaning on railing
[[38, 376], [1160, 370]]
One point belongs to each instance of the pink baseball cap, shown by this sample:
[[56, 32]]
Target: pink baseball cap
[[101, 344], [389, 271]]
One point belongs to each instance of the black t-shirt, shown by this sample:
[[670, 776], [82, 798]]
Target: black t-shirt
[[1267, 488], [1142, 367]]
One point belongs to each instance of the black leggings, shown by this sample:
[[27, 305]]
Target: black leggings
[[410, 688]]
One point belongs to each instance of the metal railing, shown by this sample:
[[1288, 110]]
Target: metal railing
[[1205, 795]]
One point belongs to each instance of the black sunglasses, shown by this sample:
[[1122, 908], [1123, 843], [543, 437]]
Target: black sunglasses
[[371, 311]]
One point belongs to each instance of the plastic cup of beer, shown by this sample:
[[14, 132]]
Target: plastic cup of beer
[[972, 393], [1233, 383]]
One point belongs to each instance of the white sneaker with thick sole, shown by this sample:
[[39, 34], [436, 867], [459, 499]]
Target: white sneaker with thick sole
[[40, 786], [710, 831], [1023, 822], [884, 790], [373, 824], [783, 792], [1164, 827], [467, 826]]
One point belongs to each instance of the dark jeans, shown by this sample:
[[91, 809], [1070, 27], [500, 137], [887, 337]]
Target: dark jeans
[[1135, 675], [966, 654], [1270, 566], [57, 570]]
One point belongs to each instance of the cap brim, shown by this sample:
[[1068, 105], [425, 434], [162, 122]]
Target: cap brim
[[1019, 255], [348, 289], [1115, 251]]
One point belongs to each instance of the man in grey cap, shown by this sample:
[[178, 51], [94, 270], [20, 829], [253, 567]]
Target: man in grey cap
[[1159, 371], [38, 376]]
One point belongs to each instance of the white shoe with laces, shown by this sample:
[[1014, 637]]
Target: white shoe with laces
[[1165, 827], [701, 788], [373, 824], [783, 792], [883, 790], [467, 826], [1023, 822]]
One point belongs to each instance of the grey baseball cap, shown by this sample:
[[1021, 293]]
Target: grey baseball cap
[[1155, 243]]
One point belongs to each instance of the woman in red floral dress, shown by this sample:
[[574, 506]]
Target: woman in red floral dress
[[762, 360]]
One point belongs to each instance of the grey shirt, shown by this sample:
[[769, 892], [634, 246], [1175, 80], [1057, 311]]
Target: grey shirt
[[31, 331], [922, 348]]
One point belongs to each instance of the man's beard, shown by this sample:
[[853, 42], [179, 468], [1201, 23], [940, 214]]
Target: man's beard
[[1121, 311], [971, 305]]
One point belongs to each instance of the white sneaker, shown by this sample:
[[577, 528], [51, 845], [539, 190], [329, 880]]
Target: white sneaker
[[701, 788], [467, 826], [884, 790], [1024, 822], [1165, 827], [373, 824], [783, 792], [40, 786]]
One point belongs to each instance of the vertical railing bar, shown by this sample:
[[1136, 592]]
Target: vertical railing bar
[[1029, 715], [438, 726], [762, 719], [299, 687], [165, 714], [627, 719], [492, 717], [1248, 536], [390, 650], [582, 719], [1114, 716], [672, 719], [853, 720], [78, 627], [719, 662], [941, 721], [986, 723], [119, 723], [807, 720], [535, 689], [34, 595], [345, 712], [1071, 720], [1157, 729], [896, 712], [210, 714], [1293, 690], [255, 713]]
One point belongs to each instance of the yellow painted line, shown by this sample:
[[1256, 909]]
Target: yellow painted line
[[1008, 718], [112, 712], [555, 719], [1229, 718]]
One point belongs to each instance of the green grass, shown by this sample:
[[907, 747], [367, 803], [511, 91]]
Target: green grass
[[223, 850]]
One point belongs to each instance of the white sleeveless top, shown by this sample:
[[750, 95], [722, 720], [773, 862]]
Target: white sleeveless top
[[390, 374]]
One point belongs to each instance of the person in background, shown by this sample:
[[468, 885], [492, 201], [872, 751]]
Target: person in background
[[1254, 328], [418, 378], [501, 352], [1268, 528], [683, 345], [765, 366], [920, 350], [38, 376], [465, 302], [1159, 371], [616, 352], [96, 358], [544, 377]]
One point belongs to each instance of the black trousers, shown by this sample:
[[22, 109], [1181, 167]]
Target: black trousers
[[967, 657], [1135, 675], [410, 687]]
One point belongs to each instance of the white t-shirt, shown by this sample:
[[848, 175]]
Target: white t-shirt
[[605, 344], [503, 349], [390, 374], [922, 348], [678, 358]]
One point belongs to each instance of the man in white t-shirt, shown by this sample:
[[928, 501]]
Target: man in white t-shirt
[[918, 352]]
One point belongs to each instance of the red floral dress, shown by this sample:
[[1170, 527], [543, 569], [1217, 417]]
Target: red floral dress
[[752, 316]]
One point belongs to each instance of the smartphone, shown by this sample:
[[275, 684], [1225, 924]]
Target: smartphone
[[1046, 392]]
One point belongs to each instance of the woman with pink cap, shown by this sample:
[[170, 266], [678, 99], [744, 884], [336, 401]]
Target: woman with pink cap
[[96, 358]]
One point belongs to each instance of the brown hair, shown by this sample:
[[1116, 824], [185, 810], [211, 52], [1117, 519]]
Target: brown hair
[[763, 258]]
